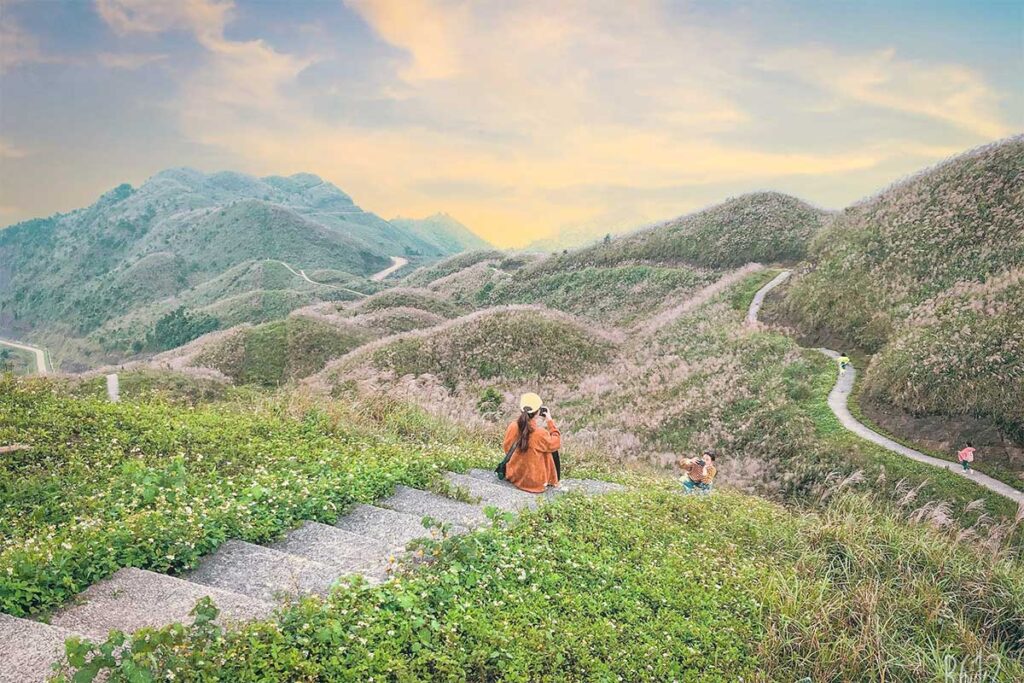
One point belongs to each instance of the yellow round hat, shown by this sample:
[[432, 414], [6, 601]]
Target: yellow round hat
[[531, 402]]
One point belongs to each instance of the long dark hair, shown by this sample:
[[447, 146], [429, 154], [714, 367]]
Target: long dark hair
[[525, 424]]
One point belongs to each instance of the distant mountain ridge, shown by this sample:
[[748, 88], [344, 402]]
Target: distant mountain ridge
[[129, 255], [444, 231]]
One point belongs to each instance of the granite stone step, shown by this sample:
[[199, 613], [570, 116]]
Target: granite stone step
[[590, 487], [423, 503], [352, 553], [262, 573], [507, 498], [396, 529], [587, 486], [490, 477], [28, 649], [135, 598]]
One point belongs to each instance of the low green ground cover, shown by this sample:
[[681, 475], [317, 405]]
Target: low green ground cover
[[645, 585], [155, 485]]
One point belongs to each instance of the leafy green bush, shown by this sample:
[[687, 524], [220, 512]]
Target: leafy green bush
[[490, 402]]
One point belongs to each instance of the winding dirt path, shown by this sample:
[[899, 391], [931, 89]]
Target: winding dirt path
[[396, 263], [42, 367], [838, 400], [302, 274]]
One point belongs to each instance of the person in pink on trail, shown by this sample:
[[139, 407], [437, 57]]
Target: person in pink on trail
[[966, 457]]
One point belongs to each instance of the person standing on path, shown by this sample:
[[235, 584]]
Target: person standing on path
[[844, 362], [966, 456], [534, 437]]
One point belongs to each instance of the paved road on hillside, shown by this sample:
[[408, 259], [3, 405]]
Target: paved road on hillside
[[396, 263], [40, 354], [838, 400]]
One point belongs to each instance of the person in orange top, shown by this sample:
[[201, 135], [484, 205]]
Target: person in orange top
[[535, 437]]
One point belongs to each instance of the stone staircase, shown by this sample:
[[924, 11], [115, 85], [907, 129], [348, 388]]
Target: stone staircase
[[248, 581]]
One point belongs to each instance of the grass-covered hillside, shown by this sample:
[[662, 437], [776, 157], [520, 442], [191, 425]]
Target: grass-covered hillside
[[763, 227], [961, 353], [925, 275], [83, 283], [277, 351], [645, 584], [250, 292], [625, 279], [615, 294], [444, 231], [514, 344], [422, 277]]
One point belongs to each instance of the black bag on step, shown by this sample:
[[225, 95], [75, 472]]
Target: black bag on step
[[500, 469]]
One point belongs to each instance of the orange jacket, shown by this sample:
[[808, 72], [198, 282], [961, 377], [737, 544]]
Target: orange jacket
[[533, 469]]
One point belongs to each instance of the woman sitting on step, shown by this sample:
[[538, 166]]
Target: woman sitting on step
[[535, 437]]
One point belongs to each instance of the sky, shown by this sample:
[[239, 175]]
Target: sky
[[523, 120]]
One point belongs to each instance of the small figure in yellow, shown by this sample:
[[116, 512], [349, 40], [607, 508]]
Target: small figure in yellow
[[844, 362]]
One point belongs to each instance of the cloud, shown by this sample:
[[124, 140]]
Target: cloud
[[423, 28], [9, 151], [18, 46], [950, 93], [519, 117], [238, 78], [205, 18], [129, 60]]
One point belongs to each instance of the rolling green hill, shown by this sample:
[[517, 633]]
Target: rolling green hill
[[506, 343], [278, 351], [88, 282], [926, 276], [443, 231], [623, 279], [764, 226]]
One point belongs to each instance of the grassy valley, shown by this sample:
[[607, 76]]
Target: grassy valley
[[94, 283]]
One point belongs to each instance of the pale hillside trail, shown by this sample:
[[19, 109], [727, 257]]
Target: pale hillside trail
[[396, 263], [838, 400], [42, 367], [302, 274]]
